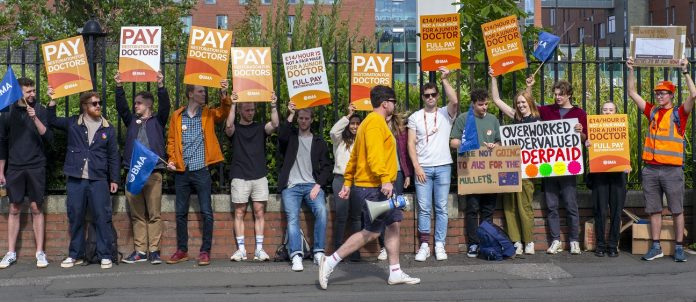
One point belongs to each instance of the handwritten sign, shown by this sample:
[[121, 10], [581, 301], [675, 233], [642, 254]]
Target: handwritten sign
[[368, 70], [504, 45], [252, 73], [657, 45], [305, 74], [550, 148], [440, 42], [489, 171], [66, 66], [609, 146], [139, 55], [208, 56]]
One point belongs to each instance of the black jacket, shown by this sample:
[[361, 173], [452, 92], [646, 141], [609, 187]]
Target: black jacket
[[288, 145]]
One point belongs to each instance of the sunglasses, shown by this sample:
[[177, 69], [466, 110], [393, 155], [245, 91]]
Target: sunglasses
[[430, 95], [661, 93], [95, 104], [392, 100]]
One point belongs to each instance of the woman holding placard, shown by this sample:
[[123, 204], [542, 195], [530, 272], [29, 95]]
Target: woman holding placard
[[519, 215]]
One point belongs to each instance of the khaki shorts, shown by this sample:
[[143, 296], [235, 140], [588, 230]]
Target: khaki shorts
[[667, 180], [242, 189]]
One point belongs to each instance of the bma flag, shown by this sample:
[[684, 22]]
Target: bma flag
[[142, 163], [10, 91], [469, 135], [547, 43]]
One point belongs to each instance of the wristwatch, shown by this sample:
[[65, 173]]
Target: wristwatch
[[685, 72]]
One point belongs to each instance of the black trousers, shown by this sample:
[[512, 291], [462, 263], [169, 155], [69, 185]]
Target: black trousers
[[608, 194]]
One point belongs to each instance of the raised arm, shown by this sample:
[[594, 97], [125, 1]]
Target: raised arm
[[452, 101], [121, 104], [229, 123], [495, 95], [220, 113], [631, 82], [163, 102], [275, 119], [291, 111], [689, 103], [337, 129]]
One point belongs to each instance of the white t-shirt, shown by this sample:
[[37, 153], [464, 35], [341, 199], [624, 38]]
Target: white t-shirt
[[432, 149]]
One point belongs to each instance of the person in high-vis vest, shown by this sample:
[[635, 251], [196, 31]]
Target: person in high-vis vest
[[663, 157]]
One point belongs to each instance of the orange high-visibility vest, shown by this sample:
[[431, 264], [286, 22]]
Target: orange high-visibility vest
[[663, 142]]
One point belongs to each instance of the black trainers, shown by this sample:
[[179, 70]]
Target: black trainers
[[155, 257]]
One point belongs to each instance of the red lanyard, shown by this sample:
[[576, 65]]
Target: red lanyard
[[425, 121]]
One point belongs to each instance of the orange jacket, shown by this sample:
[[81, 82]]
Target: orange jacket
[[209, 116], [663, 142]]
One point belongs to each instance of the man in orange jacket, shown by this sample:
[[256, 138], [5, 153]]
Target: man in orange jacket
[[192, 146]]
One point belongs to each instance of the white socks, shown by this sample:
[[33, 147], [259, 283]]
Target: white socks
[[394, 270], [240, 243], [333, 260], [259, 242]]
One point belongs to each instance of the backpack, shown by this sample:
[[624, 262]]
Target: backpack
[[494, 244], [91, 256], [282, 250]]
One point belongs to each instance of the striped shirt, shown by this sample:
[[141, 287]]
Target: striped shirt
[[192, 141]]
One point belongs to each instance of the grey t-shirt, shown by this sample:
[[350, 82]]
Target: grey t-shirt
[[92, 127], [301, 172]]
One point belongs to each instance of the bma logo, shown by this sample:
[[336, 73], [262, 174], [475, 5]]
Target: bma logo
[[5, 88], [543, 43]]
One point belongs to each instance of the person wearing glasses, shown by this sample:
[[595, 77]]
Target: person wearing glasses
[[92, 170], [663, 157], [428, 141]]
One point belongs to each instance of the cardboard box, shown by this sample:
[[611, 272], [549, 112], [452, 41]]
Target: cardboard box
[[642, 239]]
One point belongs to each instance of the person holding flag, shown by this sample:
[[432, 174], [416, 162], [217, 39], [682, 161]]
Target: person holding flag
[[470, 131], [146, 128], [23, 137]]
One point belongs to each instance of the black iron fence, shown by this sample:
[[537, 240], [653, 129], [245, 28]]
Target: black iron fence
[[598, 74]]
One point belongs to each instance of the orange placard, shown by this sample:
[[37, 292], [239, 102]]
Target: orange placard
[[66, 66], [504, 45], [609, 145], [139, 55], [252, 73], [368, 70], [207, 57], [305, 74], [440, 42]]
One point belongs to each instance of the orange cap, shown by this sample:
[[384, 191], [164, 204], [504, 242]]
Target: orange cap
[[665, 85]]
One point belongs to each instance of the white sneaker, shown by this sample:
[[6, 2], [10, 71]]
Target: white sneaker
[[106, 263], [324, 273], [575, 248], [518, 248], [317, 257], [9, 259], [440, 253], [529, 248], [261, 255], [41, 260], [70, 262], [555, 247], [402, 278], [383, 254], [423, 253], [297, 263], [239, 255]]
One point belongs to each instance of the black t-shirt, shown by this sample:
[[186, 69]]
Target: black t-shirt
[[248, 151], [527, 119]]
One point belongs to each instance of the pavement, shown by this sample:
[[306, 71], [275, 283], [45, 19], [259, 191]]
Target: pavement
[[540, 277]]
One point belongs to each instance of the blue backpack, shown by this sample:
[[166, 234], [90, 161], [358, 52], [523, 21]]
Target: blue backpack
[[494, 244]]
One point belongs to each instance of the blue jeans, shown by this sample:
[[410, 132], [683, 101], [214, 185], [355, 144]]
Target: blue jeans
[[292, 203], [433, 191], [183, 183], [84, 194]]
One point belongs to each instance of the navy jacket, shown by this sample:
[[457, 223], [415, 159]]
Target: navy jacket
[[154, 127], [102, 153], [289, 144]]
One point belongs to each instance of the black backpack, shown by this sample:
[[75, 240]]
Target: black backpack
[[91, 256], [282, 250]]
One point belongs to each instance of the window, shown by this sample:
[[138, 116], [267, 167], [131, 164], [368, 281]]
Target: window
[[292, 1], [186, 20], [552, 16], [650, 16], [291, 24], [612, 24], [266, 2], [243, 2], [210, 1], [581, 34], [221, 21], [602, 30], [674, 16]]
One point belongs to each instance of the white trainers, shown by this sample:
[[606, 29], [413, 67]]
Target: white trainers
[[423, 253], [575, 248], [382, 255], [9, 259], [297, 263], [555, 247], [402, 278], [106, 263], [529, 248], [324, 273], [41, 261], [70, 262], [261, 255], [317, 257], [518, 248], [440, 253], [239, 255]]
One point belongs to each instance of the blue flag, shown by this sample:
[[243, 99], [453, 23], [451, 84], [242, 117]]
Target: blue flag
[[142, 163], [547, 43], [470, 135], [10, 91]]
